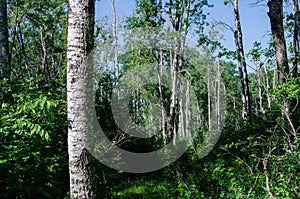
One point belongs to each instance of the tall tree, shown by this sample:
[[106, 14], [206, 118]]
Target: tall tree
[[4, 65], [114, 29], [182, 14], [238, 36], [296, 37], [80, 43], [276, 19]]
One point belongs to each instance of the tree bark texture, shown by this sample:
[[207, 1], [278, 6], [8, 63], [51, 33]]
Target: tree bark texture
[[179, 15], [238, 36], [80, 43], [4, 53], [276, 19], [115, 37]]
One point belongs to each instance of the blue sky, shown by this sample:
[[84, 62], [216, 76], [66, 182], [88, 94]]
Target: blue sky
[[254, 19]]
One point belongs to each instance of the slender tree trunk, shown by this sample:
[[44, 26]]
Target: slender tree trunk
[[53, 73], [174, 97], [218, 105], [267, 188], [260, 93], [294, 104], [296, 37], [44, 50], [188, 111], [175, 21], [4, 52], [115, 37], [238, 36], [162, 96], [80, 43], [209, 95], [181, 119], [267, 87]]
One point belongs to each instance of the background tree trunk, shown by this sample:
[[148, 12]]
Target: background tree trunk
[[296, 37], [238, 36], [295, 72], [115, 38], [80, 43], [267, 86], [4, 53], [179, 14]]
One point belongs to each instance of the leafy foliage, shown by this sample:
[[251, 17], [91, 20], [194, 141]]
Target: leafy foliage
[[33, 127], [33, 151]]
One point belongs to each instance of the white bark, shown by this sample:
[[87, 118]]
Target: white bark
[[162, 96], [260, 94], [267, 89], [188, 112], [209, 95], [80, 42], [238, 36], [115, 37], [179, 24], [218, 105]]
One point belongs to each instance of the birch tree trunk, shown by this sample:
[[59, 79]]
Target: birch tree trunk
[[115, 37], [174, 97], [209, 94], [260, 93], [4, 63], [238, 36], [175, 21], [267, 87], [80, 43], [162, 96], [218, 95], [179, 18], [188, 112]]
